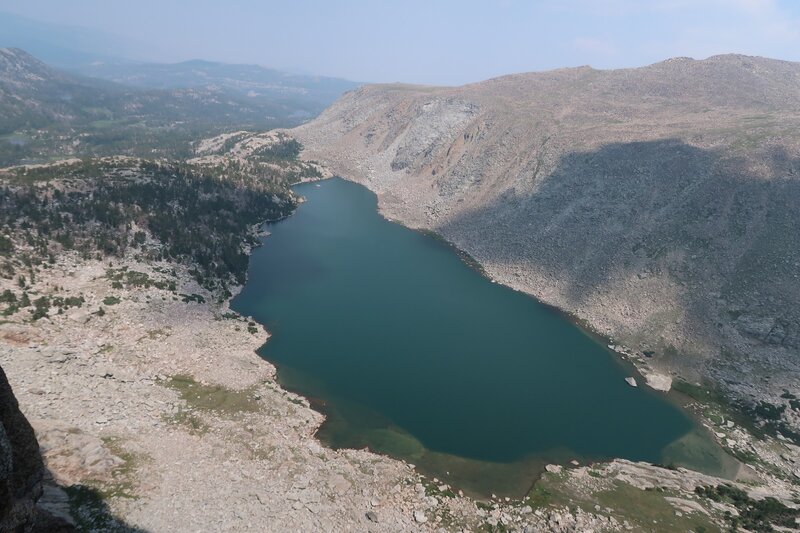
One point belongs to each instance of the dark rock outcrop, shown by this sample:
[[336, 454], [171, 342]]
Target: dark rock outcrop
[[21, 465]]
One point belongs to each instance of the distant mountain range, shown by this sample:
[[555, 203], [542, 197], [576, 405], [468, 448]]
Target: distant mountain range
[[299, 97], [37, 96], [286, 97], [63, 46], [47, 112]]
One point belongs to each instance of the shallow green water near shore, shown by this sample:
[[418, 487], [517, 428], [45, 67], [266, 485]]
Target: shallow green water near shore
[[412, 353]]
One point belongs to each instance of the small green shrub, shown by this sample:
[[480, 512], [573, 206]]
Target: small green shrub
[[111, 300]]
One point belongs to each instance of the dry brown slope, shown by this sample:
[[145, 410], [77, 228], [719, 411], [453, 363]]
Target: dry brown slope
[[657, 203]]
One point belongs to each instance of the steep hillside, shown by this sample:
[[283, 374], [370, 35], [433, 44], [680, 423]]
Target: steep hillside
[[657, 204], [22, 468]]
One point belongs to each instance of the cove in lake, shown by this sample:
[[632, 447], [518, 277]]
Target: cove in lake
[[412, 353]]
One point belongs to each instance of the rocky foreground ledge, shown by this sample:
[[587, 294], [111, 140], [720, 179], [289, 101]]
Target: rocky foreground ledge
[[154, 414]]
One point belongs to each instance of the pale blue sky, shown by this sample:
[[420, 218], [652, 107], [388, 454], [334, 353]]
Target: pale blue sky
[[433, 41]]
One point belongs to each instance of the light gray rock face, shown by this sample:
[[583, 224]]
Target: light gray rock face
[[656, 204], [433, 128]]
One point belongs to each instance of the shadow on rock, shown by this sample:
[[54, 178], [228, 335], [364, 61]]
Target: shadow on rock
[[698, 244], [91, 512]]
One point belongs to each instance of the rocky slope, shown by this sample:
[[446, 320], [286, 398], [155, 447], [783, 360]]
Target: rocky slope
[[656, 204], [25, 487]]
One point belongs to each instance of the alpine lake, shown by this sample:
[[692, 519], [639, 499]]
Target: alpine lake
[[412, 353]]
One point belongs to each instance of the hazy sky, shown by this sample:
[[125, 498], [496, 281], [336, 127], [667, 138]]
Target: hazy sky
[[430, 41]]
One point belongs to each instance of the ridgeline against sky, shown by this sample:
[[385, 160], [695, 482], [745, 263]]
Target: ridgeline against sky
[[441, 42]]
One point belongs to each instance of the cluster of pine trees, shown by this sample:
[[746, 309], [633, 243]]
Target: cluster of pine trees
[[168, 211]]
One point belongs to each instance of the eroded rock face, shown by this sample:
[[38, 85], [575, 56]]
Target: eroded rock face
[[21, 466]]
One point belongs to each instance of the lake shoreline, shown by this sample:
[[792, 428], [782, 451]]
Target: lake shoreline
[[266, 465], [630, 359], [619, 359], [636, 365], [702, 411]]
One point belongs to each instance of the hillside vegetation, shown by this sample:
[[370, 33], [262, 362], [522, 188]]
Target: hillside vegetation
[[202, 214]]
